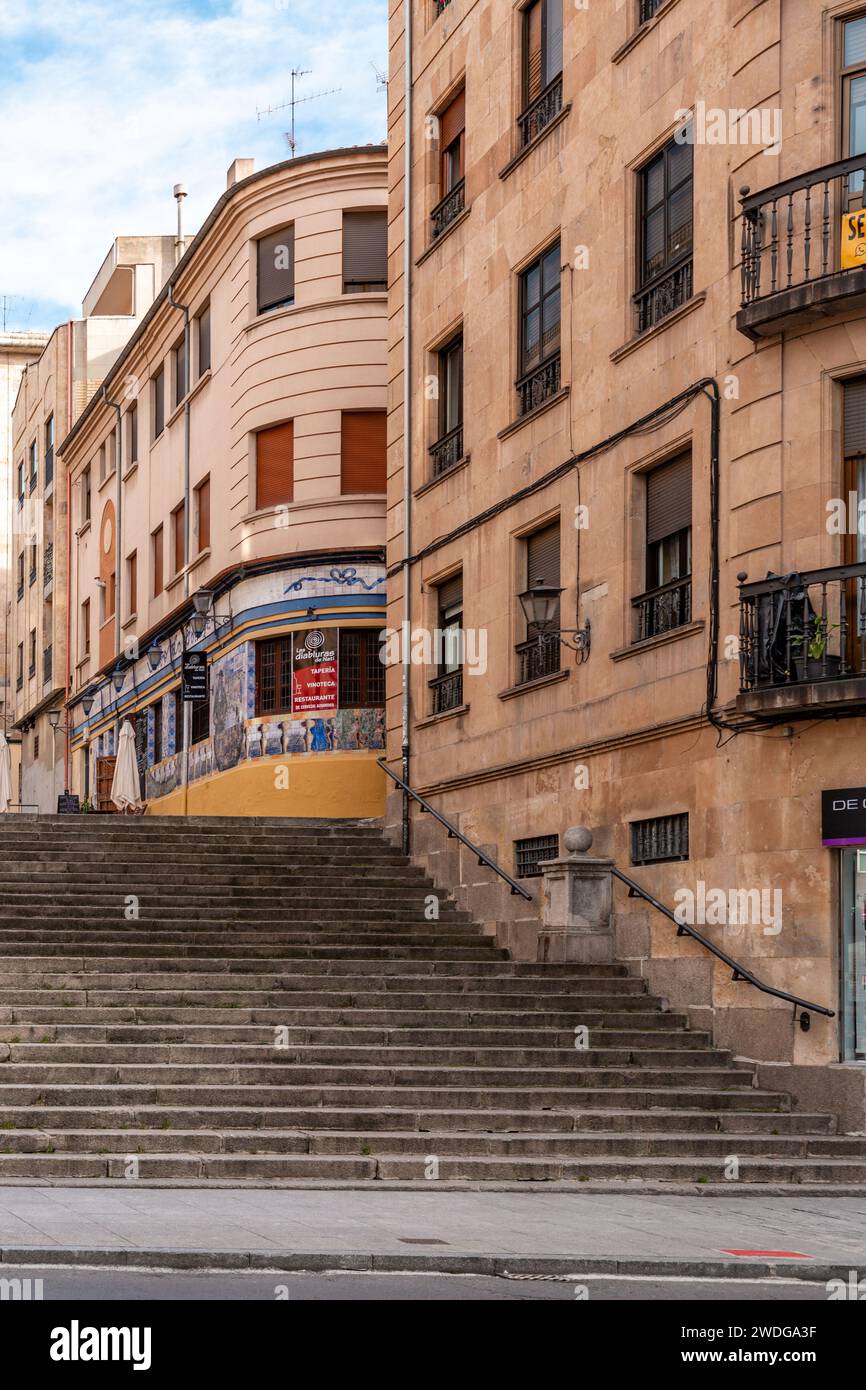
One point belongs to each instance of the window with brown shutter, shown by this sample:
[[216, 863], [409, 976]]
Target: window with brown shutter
[[362, 451], [202, 514], [276, 269], [158, 562], [540, 658], [178, 524], [666, 604], [452, 127], [365, 251], [85, 627], [158, 403], [275, 465], [132, 583], [204, 340]]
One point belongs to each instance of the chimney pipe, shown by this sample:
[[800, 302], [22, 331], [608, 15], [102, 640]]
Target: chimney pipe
[[180, 192]]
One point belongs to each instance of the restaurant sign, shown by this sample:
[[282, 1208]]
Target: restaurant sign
[[314, 670]]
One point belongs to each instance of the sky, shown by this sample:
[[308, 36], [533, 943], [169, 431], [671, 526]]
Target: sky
[[104, 107]]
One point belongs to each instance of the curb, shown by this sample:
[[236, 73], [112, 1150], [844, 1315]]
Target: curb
[[538, 1266]]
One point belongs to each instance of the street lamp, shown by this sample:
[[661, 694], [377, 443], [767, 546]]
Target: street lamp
[[87, 702], [154, 656], [117, 678], [540, 604]]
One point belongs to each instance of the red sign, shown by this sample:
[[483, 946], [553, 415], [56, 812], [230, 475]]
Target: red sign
[[314, 670]]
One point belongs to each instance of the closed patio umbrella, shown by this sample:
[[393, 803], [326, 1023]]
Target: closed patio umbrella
[[124, 787], [5, 773]]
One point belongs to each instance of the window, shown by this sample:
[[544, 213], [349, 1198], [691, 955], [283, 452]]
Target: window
[[110, 596], [19, 669], [447, 685], [32, 575], [158, 388], [34, 466], [85, 495], [275, 454], [448, 448], [156, 547], [101, 469], [203, 322], [85, 628], [31, 664], [35, 745], [21, 575], [648, 9], [529, 855], [156, 712], [132, 436], [362, 672], [202, 515], [542, 67], [854, 452], [452, 138], [666, 222], [179, 725], [659, 840], [132, 584], [537, 657], [21, 483], [854, 102], [363, 451], [276, 270], [49, 450], [178, 531], [111, 451], [666, 604], [180, 373], [539, 331], [200, 720], [274, 676], [365, 252]]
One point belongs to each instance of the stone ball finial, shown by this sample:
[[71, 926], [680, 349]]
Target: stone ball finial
[[577, 839]]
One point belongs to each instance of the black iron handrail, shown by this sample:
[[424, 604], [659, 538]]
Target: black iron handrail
[[739, 971], [454, 833]]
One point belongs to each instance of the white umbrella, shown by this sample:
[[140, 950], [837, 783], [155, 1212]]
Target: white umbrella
[[5, 773], [124, 787]]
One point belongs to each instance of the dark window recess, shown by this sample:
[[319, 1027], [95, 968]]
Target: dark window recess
[[666, 604], [365, 252], [452, 137], [158, 403], [362, 671], [540, 658], [448, 448], [539, 365], [666, 233], [157, 731], [180, 372], [648, 9], [542, 68], [179, 727], [447, 685], [854, 417], [276, 271], [662, 839], [204, 341], [49, 450], [200, 720], [274, 676], [529, 855]]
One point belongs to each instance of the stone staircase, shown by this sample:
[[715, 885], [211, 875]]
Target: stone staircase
[[281, 1009]]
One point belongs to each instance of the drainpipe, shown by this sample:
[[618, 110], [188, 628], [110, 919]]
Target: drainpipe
[[187, 711], [407, 408]]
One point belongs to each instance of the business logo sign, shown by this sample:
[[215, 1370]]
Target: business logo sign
[[853, 239], [315, 668], [195, 683], [843, 816]]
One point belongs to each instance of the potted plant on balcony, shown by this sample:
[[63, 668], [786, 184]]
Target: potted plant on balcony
[[814, 662]]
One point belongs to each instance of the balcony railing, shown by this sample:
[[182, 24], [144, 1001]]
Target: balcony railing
[[790, 250], [34, 479], [48, 564], [654, 301], [447, 451], [31, 575], [448, 208], [539, 385], [537, 658], [539, 114], [648, 9], [447, 691], [796, 629], [663, 609]]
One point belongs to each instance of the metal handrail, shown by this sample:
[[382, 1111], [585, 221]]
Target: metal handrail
[[739, 971], [454, 833]]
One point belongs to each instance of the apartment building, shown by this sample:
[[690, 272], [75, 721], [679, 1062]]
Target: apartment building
[[627, 482], [52, 391], [228, 511]]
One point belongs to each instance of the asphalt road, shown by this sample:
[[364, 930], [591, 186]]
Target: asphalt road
[[125, 1285]]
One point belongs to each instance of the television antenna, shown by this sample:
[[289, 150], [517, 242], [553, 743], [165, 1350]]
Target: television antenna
[[381, 79], [293, 102]]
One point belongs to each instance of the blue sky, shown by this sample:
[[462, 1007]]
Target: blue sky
[[104, 107]]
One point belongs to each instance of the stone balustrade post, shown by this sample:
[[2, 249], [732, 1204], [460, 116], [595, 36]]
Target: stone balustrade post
[[577, 917]]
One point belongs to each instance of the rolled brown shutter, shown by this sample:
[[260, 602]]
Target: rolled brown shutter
[[362, 451], [854, 399], [204, 515], [158, 562], [453, 120], [178, 517], [669, 499], [275, 465], [451, 592], [365, 249], [533, 51], [132, 598], [542, 555], [276, 268]]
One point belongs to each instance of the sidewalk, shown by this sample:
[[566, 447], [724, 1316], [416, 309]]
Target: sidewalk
[[453, 1232]]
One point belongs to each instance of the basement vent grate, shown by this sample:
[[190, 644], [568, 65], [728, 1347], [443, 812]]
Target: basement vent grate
[[660, 840], [530, 854]]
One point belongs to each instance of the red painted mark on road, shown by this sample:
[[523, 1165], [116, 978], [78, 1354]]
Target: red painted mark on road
[[775, 1254]]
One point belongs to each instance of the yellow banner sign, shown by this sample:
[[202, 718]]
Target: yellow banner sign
[[853, 239]]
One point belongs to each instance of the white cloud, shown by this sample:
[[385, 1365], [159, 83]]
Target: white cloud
[[104, 107]]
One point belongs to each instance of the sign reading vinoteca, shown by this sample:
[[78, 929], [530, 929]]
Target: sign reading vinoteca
[[314, 669]]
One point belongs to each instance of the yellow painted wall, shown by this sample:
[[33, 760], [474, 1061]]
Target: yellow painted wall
[[302, 784]]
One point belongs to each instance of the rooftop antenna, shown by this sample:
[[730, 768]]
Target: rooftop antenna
[[293, 102], [180, 192], [381, 79]]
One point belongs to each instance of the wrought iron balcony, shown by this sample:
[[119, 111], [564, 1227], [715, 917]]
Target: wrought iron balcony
[[803, 639], [791, 249], [663, 609], [538, 657], [661, 296], [447, 691], [539, 114], [447, 451], [539, 385], [48, 564], [448, 208]]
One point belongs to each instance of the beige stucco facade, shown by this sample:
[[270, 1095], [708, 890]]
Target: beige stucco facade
[[624, 736]]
